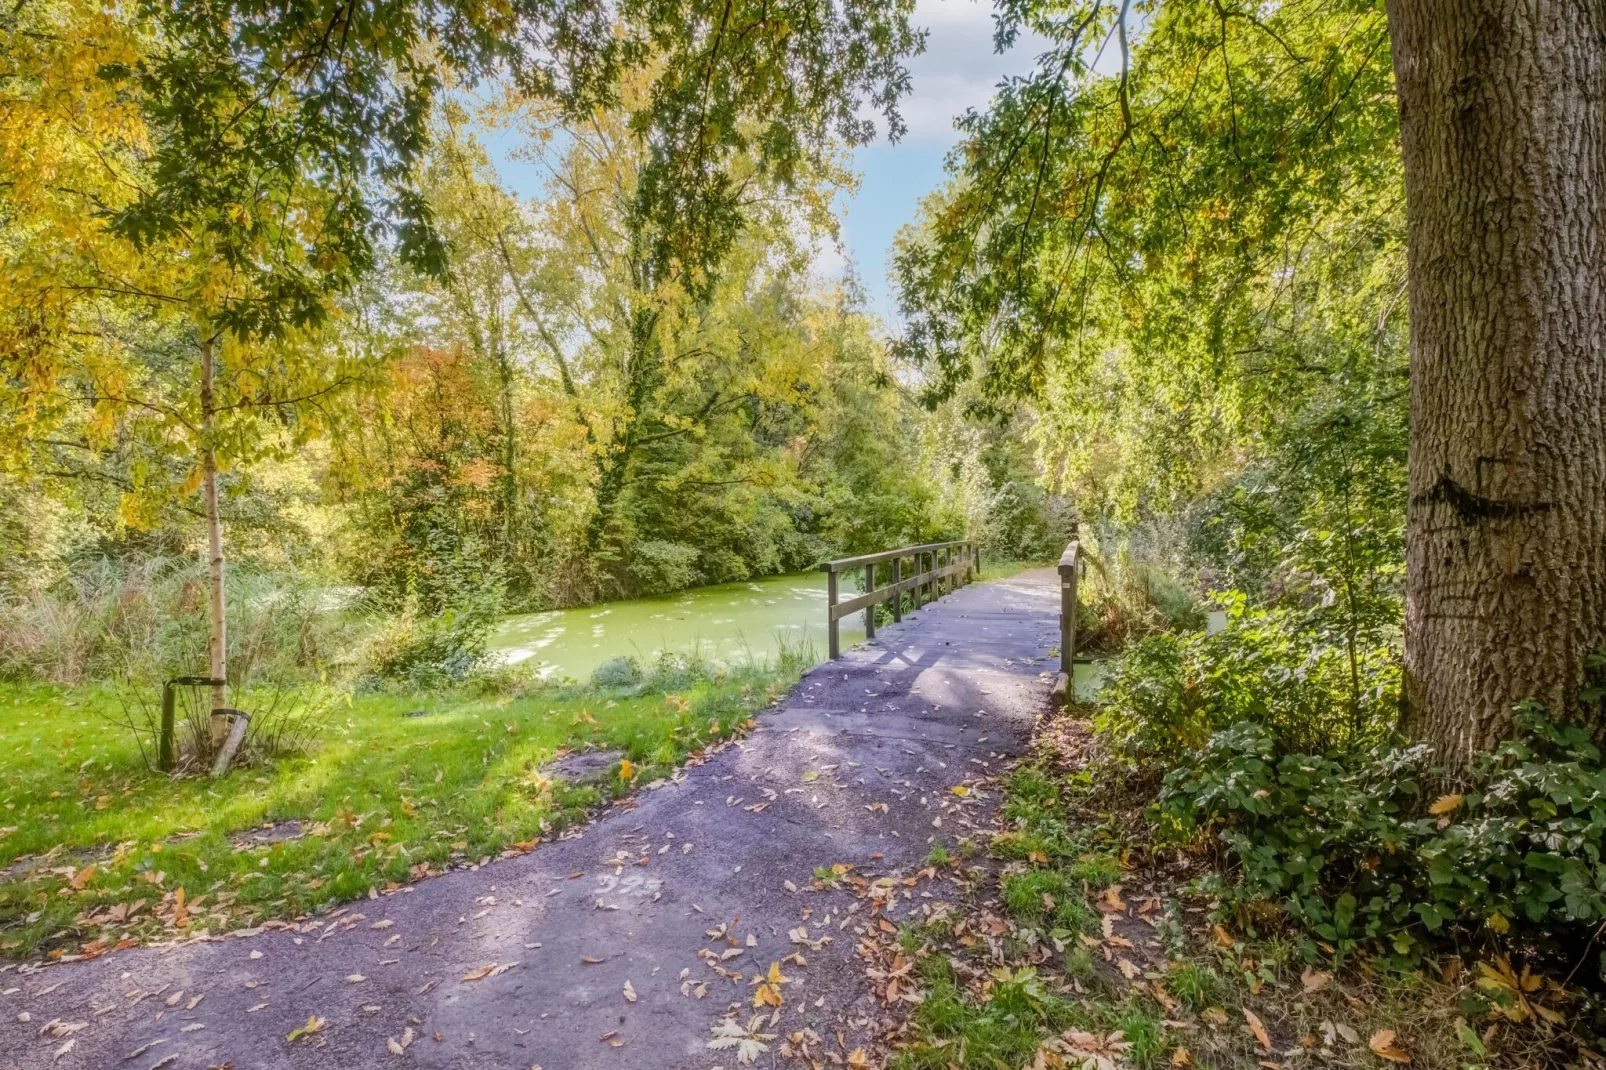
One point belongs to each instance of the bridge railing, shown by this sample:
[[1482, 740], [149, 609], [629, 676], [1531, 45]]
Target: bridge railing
[[935, 569], [1071, 567]]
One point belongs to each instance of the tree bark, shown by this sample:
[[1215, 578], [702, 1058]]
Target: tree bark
[[1503, 128], [217, 624]]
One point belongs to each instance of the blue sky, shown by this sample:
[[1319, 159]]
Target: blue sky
[[958, 70]]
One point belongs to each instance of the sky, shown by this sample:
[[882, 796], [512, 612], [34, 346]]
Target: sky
[[958, 70]]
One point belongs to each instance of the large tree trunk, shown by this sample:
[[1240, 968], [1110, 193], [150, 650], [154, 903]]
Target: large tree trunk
[[217, 633], [1503, 123]]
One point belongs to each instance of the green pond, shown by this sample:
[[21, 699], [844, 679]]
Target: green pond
[[729, 622]]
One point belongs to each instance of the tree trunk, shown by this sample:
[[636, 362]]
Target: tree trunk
[[217, 621], [641, 374], [1503, 126]]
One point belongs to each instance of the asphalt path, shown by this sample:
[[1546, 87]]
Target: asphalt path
[[525, 962]]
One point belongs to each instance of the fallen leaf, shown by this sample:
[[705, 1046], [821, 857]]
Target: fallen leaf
[[1180, 1057], [399, 1047], [1313, 980], [1258, 1028], [1382, 1041], [314, 1025], [630, 992], [355, 978], [1444, 804]]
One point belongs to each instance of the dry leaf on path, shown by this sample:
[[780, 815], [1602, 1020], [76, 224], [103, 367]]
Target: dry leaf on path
[[1314, 980], [630, 992]]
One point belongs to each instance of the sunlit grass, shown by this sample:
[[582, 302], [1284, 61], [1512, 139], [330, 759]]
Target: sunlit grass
[[386, 798]]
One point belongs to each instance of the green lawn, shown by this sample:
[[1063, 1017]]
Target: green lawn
[[384, 798]]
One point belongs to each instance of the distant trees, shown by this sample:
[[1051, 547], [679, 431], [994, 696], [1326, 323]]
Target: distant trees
[[199, 185], [667, 439]]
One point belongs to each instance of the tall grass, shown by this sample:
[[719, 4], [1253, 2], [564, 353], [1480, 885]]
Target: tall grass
[[1130, 591], [145, 620]]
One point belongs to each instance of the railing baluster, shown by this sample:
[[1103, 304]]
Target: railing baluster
[[869, 610]]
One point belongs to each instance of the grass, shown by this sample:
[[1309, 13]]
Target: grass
[[383, 798], [1009, 1002]]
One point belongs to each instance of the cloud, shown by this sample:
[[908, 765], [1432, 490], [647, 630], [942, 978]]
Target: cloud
[[959, 68]]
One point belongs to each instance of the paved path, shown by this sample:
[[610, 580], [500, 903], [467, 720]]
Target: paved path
[[947, 695]]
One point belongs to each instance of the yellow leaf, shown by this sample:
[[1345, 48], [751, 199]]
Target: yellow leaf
[[1383, 1046], [1180, 1057], [626, 770], [1257, 1027], [314, 1025], [960, 789], [1444, 804], [630, 992], [1498, 923]]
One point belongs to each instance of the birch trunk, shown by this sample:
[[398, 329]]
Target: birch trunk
[[217, 623], [1503, 127]]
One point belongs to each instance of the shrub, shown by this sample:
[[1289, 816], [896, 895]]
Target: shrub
[[617, 673], [1357, 849], [1025, 523], [145, 619], [433, 650], [1165, 694], [657, 566]]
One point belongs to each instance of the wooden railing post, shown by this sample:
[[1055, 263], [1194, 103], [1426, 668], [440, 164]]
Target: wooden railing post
[[1069, 566], [897, 598], [833, 643], [164, 751], [869, 610]]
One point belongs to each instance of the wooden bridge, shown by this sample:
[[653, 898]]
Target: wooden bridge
[[935, 568], [931, 567]]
